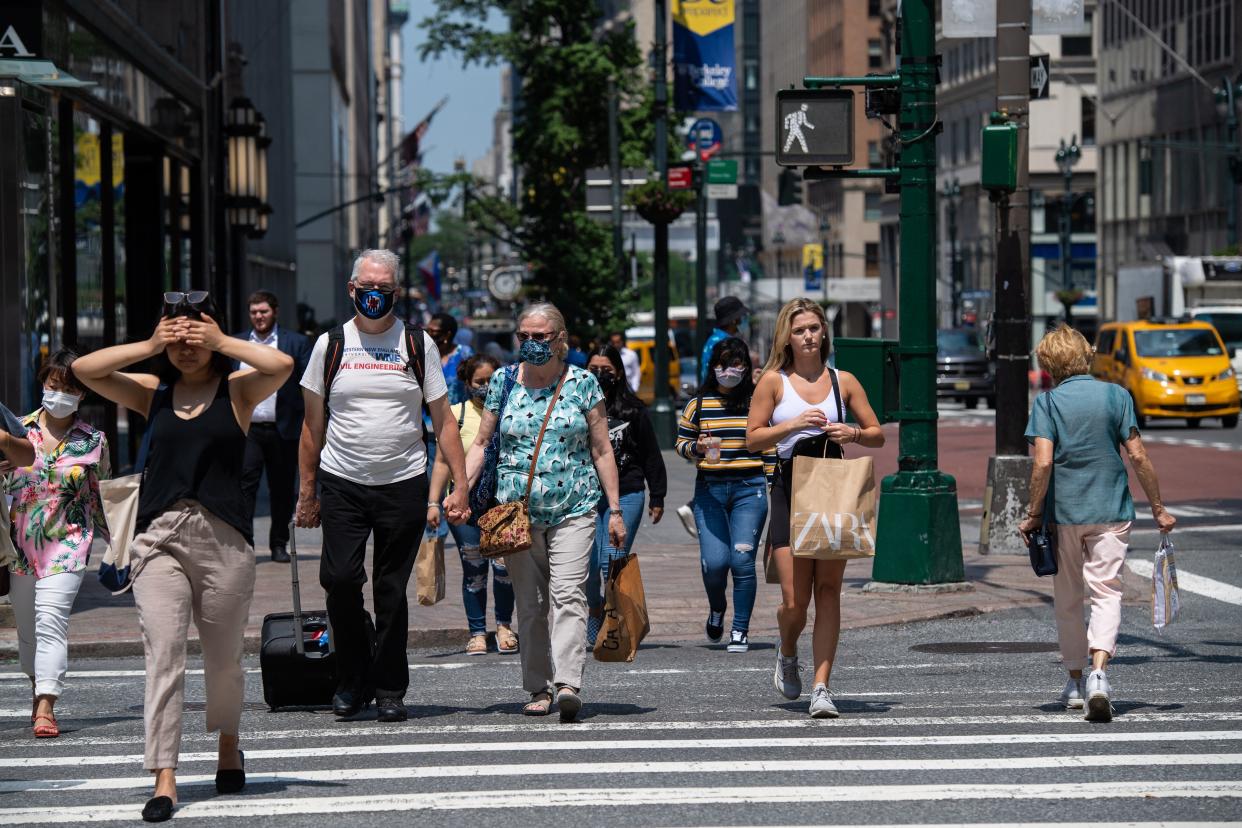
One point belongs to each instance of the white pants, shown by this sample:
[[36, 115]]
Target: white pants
[[42, 608]]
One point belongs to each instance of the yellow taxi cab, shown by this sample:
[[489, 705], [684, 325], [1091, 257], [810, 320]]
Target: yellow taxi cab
[[1172, 368], [642, 342]]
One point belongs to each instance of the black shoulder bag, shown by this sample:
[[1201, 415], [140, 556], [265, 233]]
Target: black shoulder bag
[[1043, 544]]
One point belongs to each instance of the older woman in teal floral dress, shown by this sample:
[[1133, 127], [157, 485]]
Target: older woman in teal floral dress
[[56, 514]]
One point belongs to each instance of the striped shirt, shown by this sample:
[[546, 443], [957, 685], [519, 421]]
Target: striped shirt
[[731, 429]]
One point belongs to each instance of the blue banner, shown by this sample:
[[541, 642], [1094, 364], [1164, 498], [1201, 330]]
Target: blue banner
[[704, 63]]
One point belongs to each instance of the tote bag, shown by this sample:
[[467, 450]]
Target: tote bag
[[626, 622], [120, 504]]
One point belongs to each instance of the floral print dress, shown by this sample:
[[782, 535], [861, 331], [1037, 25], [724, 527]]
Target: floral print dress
[[57, 510], [565, 485]]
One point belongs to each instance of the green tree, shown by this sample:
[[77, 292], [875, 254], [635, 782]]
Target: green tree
[[560, 131]]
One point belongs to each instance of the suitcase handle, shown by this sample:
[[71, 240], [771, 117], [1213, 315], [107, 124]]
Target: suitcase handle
[[299, 644]]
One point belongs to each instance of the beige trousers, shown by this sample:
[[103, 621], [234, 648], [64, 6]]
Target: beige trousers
[[552, 575], [1089, 559], [191, 564]]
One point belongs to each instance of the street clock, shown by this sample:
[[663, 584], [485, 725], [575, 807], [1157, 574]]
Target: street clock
[[505, 283]]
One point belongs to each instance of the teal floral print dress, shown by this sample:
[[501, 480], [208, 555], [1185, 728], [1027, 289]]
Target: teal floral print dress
[[565, 484], [57, 510]]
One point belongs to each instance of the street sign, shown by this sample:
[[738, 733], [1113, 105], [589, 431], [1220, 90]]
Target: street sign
[[722, 171], [722, 191], [814, 127], [680, 178], [705, 138], [1040, 68]]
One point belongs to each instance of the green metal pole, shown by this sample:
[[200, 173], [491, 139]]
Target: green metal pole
[[663, 415], [918, 538]]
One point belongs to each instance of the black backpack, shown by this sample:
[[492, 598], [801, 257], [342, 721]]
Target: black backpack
[[416, 358]]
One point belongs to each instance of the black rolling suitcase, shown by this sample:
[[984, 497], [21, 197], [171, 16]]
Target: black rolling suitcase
[[299, 670]]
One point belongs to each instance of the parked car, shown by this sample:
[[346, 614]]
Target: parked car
[[1172, 368], [963, 371], [1227, 320]]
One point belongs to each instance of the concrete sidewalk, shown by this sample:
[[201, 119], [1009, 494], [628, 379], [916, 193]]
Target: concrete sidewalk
[[106, 626]]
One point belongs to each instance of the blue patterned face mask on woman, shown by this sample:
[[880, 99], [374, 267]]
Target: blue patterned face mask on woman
[[536, 353]]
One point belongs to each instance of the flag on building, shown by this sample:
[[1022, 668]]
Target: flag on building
[[704, 62], [429, 269]]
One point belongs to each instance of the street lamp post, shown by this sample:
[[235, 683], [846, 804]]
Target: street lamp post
[[1067, 156], [662, 414], [953, 196], [778, 241]]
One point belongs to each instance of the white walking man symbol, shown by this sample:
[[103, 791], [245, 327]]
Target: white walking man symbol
[[794, 122]]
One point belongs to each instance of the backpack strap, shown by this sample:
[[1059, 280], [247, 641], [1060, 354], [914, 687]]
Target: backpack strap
[[416, 353], [332, 363]]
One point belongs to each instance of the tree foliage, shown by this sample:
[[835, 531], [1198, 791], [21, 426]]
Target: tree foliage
[[564, 61]]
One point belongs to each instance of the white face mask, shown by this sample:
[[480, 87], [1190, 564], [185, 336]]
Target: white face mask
[[730, 377], [60, 403]]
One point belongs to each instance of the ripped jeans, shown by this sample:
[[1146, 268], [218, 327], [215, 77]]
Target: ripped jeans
[[730, 511], [474, 569]]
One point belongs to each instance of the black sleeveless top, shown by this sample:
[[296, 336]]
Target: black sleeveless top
[[197, 459]]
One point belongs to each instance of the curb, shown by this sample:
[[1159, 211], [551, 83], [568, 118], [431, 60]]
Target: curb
[[416, 640]]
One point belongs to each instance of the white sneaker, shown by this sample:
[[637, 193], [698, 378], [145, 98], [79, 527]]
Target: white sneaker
[[1071, 696], [687, 519], [786, 678], [821, 703], [1099, 708]]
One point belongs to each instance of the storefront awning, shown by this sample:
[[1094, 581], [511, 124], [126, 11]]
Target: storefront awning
[[39, 73]]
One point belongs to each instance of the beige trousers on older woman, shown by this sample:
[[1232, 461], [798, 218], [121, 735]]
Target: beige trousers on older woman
[[191, 564], [553, 574], [1089, 559]]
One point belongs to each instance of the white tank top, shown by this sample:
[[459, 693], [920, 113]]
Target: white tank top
[[791, 406]]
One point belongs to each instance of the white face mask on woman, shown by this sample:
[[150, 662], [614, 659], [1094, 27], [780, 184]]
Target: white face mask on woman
[[730, 377], [60, 403]]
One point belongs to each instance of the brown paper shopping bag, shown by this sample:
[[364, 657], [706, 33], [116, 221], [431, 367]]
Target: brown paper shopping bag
[[625, 612], [429, 571], [832, 513]]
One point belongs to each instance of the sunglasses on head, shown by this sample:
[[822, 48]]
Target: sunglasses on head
[[184, 303]]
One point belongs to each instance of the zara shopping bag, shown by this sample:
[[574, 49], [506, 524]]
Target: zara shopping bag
[[832, 508], [625, 612]]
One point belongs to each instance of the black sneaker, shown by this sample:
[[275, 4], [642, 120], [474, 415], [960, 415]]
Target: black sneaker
[[390, 710], [738, 642], [714, 626]]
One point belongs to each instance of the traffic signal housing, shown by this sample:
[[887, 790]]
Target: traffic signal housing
[[789, 189]]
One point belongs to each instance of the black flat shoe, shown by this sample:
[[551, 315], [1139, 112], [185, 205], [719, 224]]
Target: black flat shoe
[[157, 809], [390, 710], [232, 780], [280, 554], [347, 703]]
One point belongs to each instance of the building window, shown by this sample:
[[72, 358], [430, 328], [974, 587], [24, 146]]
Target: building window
[[873, 8], [871, 210], [873, 154], [752, 74], [871, 255], [875, 54], [1075, 45], [1087, 129]]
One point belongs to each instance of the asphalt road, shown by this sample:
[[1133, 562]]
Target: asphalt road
[[949, 721]]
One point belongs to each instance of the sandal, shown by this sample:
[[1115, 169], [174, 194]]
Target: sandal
[[506, 641], [540, 704], [569, 703], [46, 731]]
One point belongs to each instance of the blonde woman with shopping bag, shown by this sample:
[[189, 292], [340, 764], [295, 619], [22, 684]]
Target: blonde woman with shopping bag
[[782, 414]]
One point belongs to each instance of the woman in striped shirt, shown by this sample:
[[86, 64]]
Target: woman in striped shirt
[[730, 493]]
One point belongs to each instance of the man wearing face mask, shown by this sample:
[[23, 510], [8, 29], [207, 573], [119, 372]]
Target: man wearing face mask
[[362, 443], [57, 513]]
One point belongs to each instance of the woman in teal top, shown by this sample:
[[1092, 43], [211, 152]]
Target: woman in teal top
[[1078, 430], [575, 463]]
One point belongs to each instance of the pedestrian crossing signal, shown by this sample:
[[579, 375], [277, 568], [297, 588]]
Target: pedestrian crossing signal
[[789, 189], [815, 127]]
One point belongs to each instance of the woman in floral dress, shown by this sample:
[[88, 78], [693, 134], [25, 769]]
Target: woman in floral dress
[[56, 514]]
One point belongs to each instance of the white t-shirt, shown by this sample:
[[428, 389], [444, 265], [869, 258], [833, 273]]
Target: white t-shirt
[[375, 427], [633, 372]]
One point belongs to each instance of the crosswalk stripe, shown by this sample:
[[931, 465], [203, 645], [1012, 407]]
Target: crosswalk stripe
[[630, 797], [608, 769], [419, 728], [254, 671], [563, 745], [1189, 582]]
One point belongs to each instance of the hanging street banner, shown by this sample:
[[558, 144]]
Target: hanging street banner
[[705, 67], [812, 266]]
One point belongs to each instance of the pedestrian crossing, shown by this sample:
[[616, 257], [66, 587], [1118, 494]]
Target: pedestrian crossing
[[1158, 767]]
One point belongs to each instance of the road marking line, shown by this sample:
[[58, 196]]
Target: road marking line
[[254, 671], [1215, 527], [629, 768], [325, 751], [418, 728], [629, 797], [1189, 582]]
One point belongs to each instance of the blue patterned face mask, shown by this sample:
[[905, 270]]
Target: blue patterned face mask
[[374, 304], [536, 353]]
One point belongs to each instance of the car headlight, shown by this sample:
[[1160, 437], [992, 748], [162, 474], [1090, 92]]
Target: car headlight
[[1154, 376], [1226, 374]]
